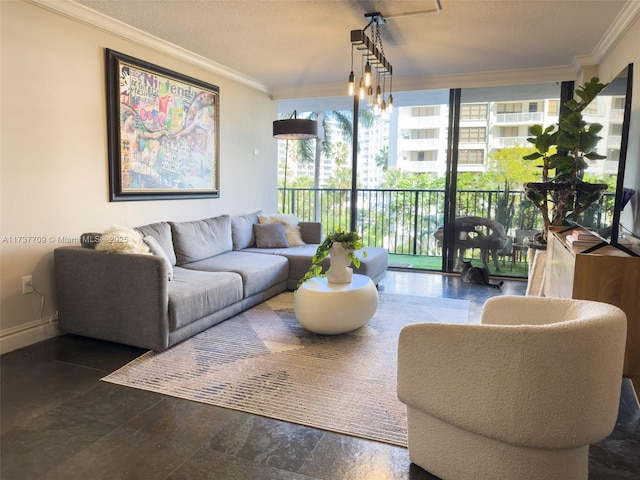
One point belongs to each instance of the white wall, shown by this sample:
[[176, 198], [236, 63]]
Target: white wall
[[53, 152]]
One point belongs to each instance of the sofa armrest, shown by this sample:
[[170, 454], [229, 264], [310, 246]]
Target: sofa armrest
[[311, 232], [118, 297]]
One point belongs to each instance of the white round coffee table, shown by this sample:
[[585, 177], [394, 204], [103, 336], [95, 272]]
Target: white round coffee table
[[332, 308]]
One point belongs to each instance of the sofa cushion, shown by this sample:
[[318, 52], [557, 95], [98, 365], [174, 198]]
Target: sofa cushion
[[242, 230], [270, 235], [195, 294], [157, 250], [161, 231], [258, 272], [291, 225], [374, 265], [200, 239], [299, 259]]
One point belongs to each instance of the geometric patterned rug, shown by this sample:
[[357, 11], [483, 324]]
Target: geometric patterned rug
[[263, 362]]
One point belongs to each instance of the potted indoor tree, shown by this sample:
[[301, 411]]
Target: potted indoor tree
[[341, 246], [564, 149]]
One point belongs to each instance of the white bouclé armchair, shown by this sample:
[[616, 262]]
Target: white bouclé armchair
[[520, 395]]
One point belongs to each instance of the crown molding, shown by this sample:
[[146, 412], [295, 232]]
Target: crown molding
[[82, 14], [627, 16], [433, 82], [487, 79]]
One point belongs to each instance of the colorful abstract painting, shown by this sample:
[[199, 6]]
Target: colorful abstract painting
[[163, 132]]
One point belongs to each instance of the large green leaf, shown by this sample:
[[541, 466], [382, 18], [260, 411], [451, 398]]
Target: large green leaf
[[568, 141], [543, 140], [588, 142], [535, 130], [595, 156], [533, 156], [589, 90], [561, 161], [595, 128], [572, 123]]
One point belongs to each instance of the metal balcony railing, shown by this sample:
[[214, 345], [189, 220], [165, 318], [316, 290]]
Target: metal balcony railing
[[529, 117], [405, 221]]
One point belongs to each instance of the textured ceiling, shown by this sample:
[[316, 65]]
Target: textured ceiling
[[285, 44]]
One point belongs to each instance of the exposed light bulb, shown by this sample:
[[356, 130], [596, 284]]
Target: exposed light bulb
[[352, 84], [370, 95], [378, 98], [367, 74], [362, 90], [390, 104]]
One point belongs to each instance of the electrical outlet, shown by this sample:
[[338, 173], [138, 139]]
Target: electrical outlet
[[27, 284]]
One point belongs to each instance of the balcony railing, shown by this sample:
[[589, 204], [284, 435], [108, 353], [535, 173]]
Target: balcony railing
[[405, 221], [532, 117], [502, 142]]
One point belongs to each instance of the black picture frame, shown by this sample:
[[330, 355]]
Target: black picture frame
[[163, 132]]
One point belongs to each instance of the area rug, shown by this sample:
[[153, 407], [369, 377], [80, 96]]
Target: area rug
[[263, 362]]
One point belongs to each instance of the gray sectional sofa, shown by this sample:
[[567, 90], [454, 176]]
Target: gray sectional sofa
[[201, 273]]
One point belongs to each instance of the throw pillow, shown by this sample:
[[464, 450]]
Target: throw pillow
[[242, 230], [90, 239], [290, 222], [122, 240], [270, 235], [161, 231], [157, 250]]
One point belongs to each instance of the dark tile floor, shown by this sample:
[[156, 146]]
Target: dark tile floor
[[58, 421]]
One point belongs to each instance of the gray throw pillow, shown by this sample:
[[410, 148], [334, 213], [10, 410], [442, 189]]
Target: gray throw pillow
[[270, 235], [161, 231], [90, 239], [242, 230], [157, 250], [291, 226]]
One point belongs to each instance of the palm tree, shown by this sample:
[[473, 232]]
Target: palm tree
[[324, 144], [382, 158], [340, 152]]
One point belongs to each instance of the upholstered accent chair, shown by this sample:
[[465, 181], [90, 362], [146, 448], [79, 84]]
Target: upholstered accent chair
[[520, 395]]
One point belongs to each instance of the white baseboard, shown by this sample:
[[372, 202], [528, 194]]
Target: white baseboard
[[27, 334]]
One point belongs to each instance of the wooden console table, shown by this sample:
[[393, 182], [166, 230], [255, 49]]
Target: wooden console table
[[606, 275]]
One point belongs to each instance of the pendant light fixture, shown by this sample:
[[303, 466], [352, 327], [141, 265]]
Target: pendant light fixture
[[375, 68], [293, 128], [352, 78]]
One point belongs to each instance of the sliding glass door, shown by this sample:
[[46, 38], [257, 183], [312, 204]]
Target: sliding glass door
[[492, 218], [438, 180]]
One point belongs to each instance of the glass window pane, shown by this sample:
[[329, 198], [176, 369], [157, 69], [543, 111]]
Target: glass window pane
[[490, 175]]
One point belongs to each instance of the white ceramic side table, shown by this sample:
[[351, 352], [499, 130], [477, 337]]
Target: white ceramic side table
[[332, 308]]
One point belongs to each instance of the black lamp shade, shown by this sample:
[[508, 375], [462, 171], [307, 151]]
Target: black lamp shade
[[295, 129]]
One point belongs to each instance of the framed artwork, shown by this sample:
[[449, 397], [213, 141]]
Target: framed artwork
[[163, 132]]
